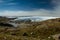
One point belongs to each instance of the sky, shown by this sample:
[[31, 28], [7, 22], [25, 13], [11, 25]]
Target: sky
[[49, 8]]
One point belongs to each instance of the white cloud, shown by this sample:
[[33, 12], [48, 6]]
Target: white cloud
[[39, 12]]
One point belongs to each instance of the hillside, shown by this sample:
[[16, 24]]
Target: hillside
[[34, 31]]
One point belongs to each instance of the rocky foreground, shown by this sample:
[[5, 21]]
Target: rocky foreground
[[43, 30]]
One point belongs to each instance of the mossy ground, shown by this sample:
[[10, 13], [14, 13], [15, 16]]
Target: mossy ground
[[35, 31]]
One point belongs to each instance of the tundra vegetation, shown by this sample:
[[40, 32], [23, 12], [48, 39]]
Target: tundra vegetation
[[34, 31]]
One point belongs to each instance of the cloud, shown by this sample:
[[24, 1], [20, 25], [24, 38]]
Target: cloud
[[56, 11], [4, 1], [11, 3], [7, 2], [40, 12], [1, 1]]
